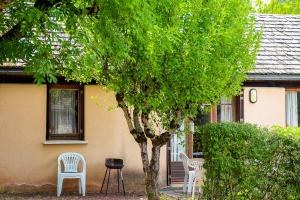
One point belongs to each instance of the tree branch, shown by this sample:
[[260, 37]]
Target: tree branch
[[15, 32], [43, 5], [138, 136], [123, 106], [136, 120], [144, 155], [147, 129], [3, 4], [155, 157], [94, 9], [12, 34], [163, 138]]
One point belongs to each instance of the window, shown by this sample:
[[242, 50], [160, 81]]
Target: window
[[292, 108], [224, 110], [65, 112], [203, 116]]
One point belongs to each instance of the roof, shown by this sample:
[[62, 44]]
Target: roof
[[279, 55], [277, 59]]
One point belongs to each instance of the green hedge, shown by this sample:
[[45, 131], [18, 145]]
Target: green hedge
[[244, 161]]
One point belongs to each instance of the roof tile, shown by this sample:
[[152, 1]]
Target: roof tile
[[280, 45]]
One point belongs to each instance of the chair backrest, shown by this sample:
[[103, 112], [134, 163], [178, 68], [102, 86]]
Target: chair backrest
[[184, 159], [71, 161]]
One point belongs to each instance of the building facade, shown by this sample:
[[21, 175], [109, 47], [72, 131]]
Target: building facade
[[37, 123]]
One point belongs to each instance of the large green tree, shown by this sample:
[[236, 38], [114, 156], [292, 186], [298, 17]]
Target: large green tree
[[162, 58], [279, 6]]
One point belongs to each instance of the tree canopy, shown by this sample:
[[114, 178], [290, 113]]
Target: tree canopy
[[163, 58], [154, 52], [279, 7]]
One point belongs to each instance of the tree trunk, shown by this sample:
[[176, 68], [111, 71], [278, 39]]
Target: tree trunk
[[152, 175], [142, 136]]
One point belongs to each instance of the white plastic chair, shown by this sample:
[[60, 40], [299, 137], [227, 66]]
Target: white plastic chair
[[70, 161], [188, 174], [196, 164]]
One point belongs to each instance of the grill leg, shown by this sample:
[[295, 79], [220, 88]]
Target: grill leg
[[118, 180], [107, 181], [122, 181], [103, 180]]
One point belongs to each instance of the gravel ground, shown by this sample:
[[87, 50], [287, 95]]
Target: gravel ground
[[69, 196]]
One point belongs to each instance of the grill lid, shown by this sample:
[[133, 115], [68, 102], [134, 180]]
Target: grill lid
[[114, 163]]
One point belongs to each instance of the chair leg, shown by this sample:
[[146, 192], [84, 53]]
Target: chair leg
[[107, 182], [83, 185], [79, 186], [118, 180], [185, 183], [103, 180], [190, 183], [122, 181], [194, 186], [59, 185]]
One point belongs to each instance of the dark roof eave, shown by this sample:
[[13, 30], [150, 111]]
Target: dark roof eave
[[12, 70], [273, 77]]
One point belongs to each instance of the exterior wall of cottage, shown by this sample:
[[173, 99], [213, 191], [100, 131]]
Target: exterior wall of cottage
[[26, 163], [269, 109]]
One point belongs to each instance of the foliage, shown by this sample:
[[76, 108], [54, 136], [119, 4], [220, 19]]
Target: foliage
[[162, 58], [150, 56], [244, 161], [279, 7]]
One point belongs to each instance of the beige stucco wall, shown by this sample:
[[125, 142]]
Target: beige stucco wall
[[269, 109], [25, 159]]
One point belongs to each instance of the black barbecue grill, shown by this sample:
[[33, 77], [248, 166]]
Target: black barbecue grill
[[113, 163]]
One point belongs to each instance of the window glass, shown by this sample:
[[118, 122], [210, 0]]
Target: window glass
[[292, 108], [202, 118], [64, 111], [224, 110]]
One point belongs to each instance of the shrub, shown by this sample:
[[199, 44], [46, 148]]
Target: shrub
[[244, 161]]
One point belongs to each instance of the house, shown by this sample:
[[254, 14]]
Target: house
[[277, 74], [37, 123], [35, 126], [275, 81], [271, 93]]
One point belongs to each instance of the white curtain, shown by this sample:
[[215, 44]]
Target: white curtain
[[63, 111], [178, 144], [291, 109], [226, 110]]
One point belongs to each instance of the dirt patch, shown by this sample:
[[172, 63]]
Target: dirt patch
[[71, 196]]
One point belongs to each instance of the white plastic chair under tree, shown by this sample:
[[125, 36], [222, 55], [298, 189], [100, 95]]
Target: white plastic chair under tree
[[188, 174], [70, 161], [198, 166]]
